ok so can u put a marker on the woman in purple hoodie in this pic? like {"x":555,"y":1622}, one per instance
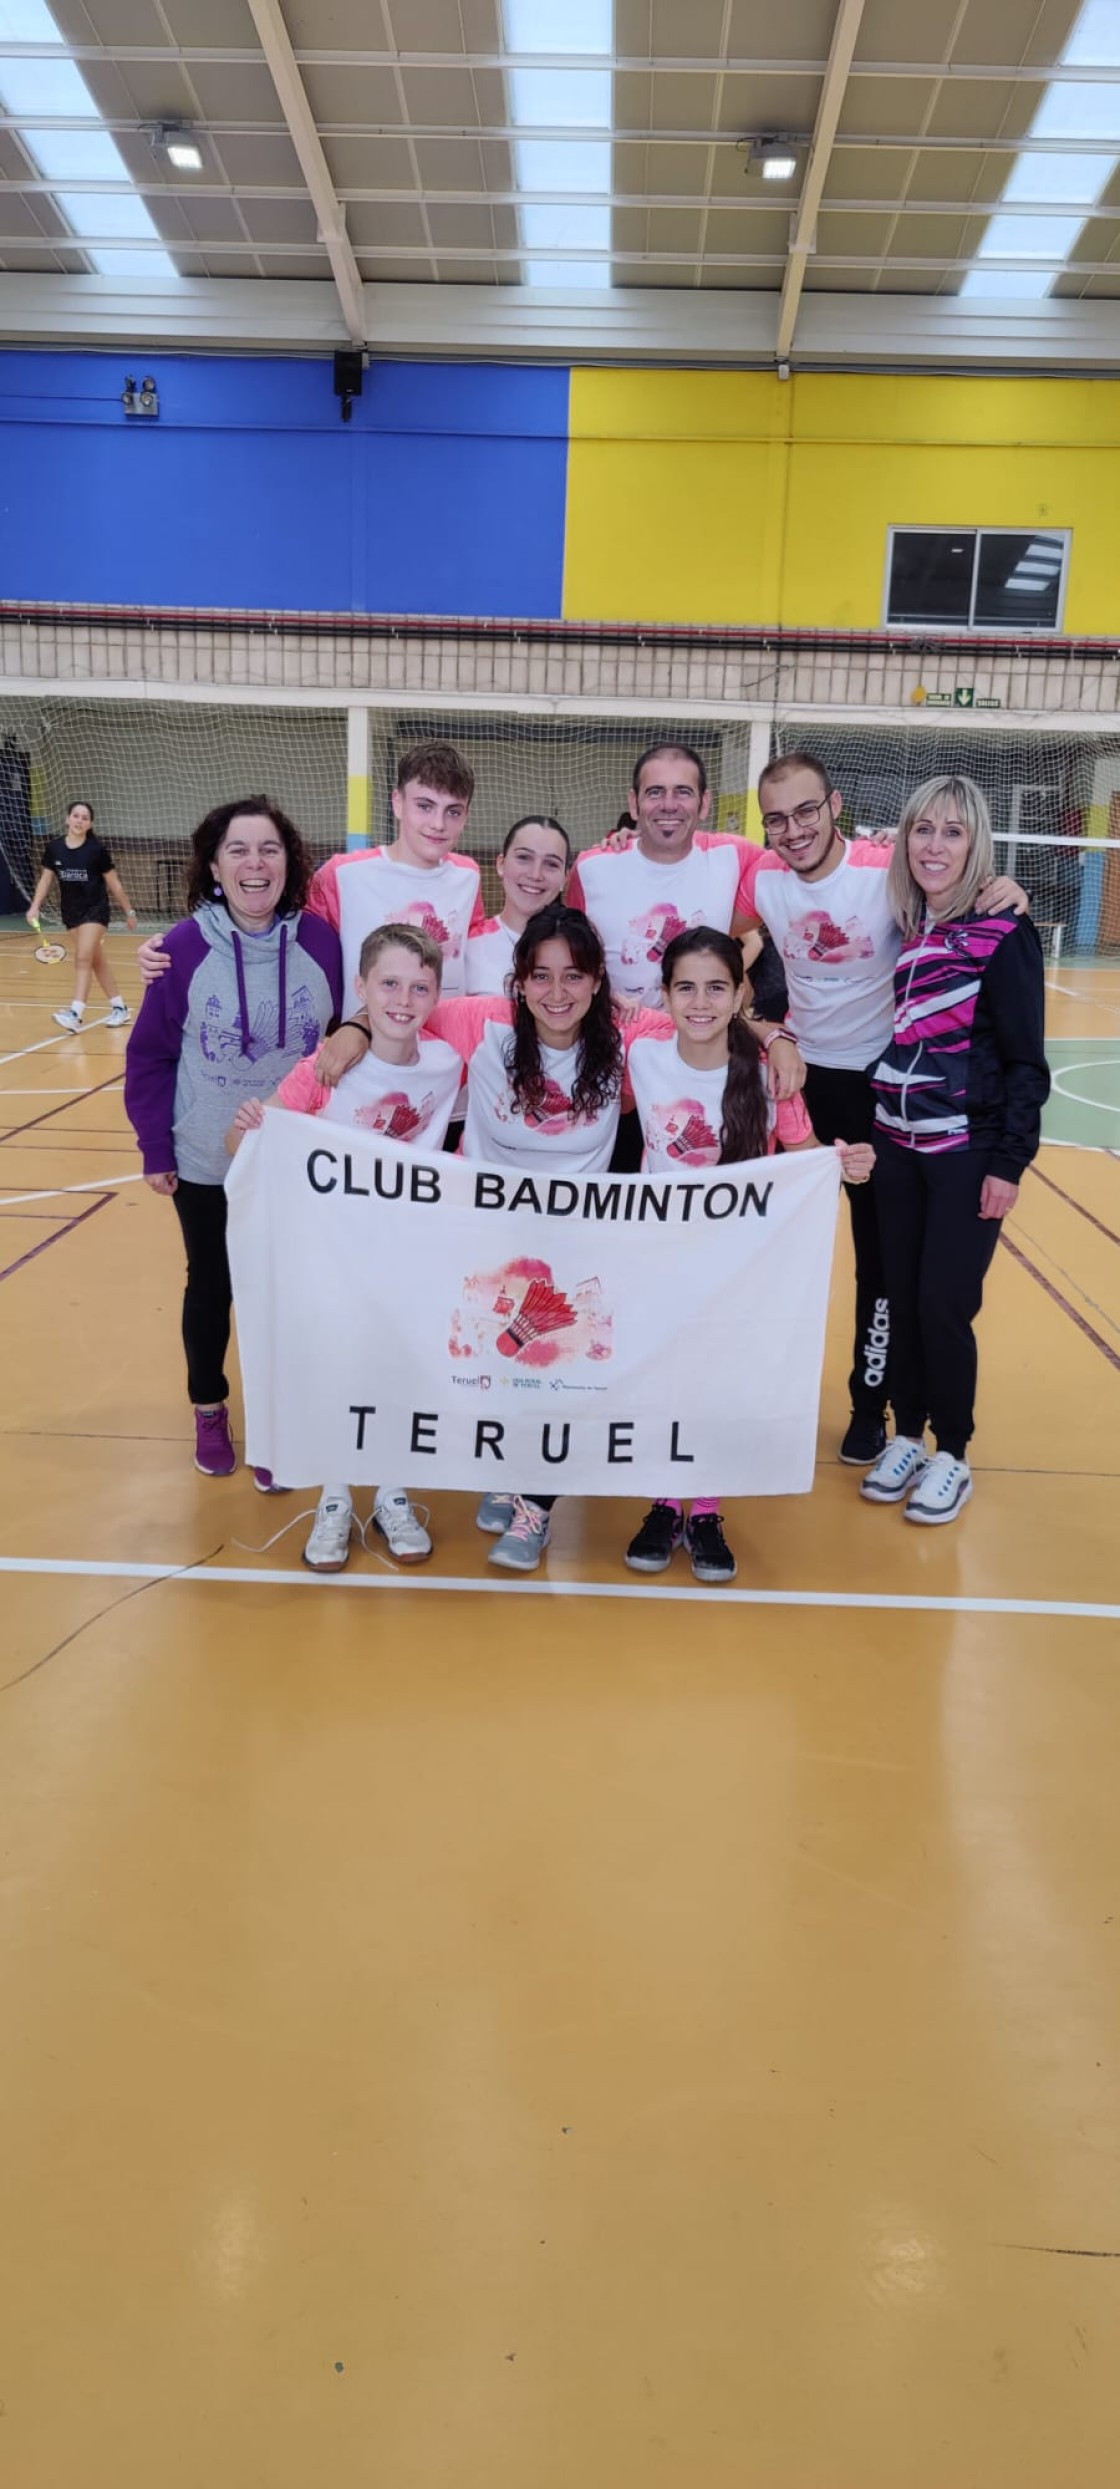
{"x":252,"y":985}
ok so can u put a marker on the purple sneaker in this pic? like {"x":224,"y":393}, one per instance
{"x":213,"y":1443}
{"x":266,"y":1484}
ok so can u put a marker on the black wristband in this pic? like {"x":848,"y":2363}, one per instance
{"x":362,"y":1029}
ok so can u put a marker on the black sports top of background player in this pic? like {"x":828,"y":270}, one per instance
{"x":80,"y":874}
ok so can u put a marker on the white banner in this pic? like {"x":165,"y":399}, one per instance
{"x":412,"y":1321}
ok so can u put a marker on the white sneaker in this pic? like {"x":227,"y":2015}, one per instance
{"x":494,"y":1515}
{"x":393,"y":1515}
{"x":329,"y":1544}
{"x":118,"y":1016}
{"x":947,"y":1485}
{"x":70,"y":1020}
{"x":524,"y":1543}
{"x":900,"y":1465}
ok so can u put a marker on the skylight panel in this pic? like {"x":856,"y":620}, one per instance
{"x":54,"y":88}
{"x":576,"y":102}
{"x":556,"y":99}
{"x":1072,"y":110}
{"x":559,"y":26}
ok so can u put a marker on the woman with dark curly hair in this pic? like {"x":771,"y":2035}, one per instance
{"x":251,"y":984}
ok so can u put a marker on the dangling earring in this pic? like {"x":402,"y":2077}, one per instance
{"x":217,"y":890}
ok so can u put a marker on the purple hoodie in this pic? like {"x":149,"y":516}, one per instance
{"x":230,"y":1017}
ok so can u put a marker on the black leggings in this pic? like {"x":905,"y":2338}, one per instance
{"x":936,"y":1249}
{"x":841,"y":1107}
{"x":201,"y":1210}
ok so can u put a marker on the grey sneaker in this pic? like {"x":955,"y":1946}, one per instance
{"x":945,"y":1485}
{"x":524,"y":1543}
{"x":398,"y":1523}
{"x":69,"y":1020}
{"x":329,"y":1544}
{"x":118,"y":1015}
{"x":897,"y":1469}
{"x":494,"y":1515}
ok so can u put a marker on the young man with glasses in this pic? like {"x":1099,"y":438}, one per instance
{"x":824,"y":901}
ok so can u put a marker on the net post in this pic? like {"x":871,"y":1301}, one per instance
{"x":357,"y":777}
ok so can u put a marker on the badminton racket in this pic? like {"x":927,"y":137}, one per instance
{"x":47,"y":952}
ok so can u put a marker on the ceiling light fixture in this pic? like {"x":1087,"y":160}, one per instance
{"x":176,"y":140}
{"x":774,"y":156}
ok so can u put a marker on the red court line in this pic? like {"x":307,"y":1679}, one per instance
{"x":66,"y":1108}
{"x":45,"y":1242}
{"x":1074,"y":1204}
{"x":1018,"y":1255}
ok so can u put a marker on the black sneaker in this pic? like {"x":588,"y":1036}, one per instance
{"x":712,"y":1560}
{"x":657,"y":1541}
{"x":864,"y":1440}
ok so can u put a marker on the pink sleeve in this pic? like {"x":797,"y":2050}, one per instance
{"x":299,"y":1090}
{"x":646,"y":1024}
{"x":791,"y":1124}
{"x":744,"y":895}
{"x":478,"y":912}
{"x":461,"y":1022}
{"x":869,"y":851}
{"x":322,"y":898}
{"x":575,"y":897}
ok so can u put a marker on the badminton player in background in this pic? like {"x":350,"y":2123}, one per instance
{"x":533,"y":866}
{"x":250,"y":983}
{"x":703,"y":1100}
{"x":87,"y":879}
{"x":405,"y":1086}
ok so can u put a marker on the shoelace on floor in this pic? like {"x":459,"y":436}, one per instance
{"x":310,"y":1513}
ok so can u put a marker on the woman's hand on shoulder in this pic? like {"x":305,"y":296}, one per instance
{"x":338,"y":1054}
{"x":166,"y":1182}
{"x":152,"y":959}
{"x":997,"y":1197}
{"x":857,"y":1159}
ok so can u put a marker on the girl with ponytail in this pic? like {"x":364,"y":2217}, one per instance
{"x":701,"y":1093}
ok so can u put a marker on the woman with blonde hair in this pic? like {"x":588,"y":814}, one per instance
{"x":959,"y":1093}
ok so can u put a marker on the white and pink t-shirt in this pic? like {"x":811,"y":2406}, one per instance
{"x":637,"y":906}
{"x":409,"y":1102}
{"x":681,"y":1110}
{"x":490,"y":957}
{"x":358,"y":892}
{"x":838,"y":942}
{"x":551,"y":1135}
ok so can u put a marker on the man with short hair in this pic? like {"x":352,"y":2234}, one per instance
{"x":674,"y":874}
{"x":418,"y":878}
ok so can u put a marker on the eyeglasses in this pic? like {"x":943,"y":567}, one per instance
{"x":805,"y":817}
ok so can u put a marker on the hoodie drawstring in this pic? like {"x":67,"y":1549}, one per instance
{"x":283,"y":996}
{"x":242,"y":996}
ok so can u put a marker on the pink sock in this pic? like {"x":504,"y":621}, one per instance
{"x":673,"y":1505}
{"x":703,"y":1504}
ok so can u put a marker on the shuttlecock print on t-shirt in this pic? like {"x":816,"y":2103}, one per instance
{"x":397,"y":1116}
{"x":519,"y":1317}
{"x":551,"y":1112}
{"x":417,"y":912}
{"x":816,"y":936}
{"x":647,"y":939}
{"x":681,"y":1131}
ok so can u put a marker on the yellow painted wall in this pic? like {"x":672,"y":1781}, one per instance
{"x":736,"y":497}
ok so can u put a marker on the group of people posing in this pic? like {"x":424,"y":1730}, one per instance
{"x":606,"y":1017}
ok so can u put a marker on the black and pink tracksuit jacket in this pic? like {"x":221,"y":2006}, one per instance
{"x":965,"y":1068}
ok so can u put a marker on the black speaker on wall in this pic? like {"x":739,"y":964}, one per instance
{"x":349,"y":368}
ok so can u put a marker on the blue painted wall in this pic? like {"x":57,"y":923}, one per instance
{"x":443,"y":495}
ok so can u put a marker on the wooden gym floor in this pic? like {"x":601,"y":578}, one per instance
{"x":512,"y":2036}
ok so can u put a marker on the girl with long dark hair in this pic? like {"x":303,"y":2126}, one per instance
{"x":87,"y":879}
{"x":700,"y":1088}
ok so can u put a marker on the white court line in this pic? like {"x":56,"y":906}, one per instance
{"x":50,"y":1567}
{"x":1091,"y":1002}
{"x":54,"y":1192}
{"x":73,"y":1089}
{"x":62,"y":1038}
{"x":1076,"y":1097}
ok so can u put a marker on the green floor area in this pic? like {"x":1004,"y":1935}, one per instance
{"x":1084,"y":1103}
